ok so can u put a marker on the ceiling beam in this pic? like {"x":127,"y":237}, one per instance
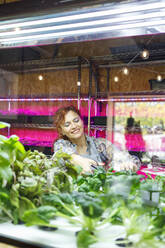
{"x":43,"y":52}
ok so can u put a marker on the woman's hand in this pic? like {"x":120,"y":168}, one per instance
{"x":87,"y":164}
{"x":126,"y":166}
{"x":124,"y":161}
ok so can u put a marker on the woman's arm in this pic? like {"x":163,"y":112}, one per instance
{"x":67,"y":147}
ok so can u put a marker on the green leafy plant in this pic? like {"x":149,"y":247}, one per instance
{"x":37,"y":190}
{"x":11,"y":150}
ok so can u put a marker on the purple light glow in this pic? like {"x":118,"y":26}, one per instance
{"x":35,"y":136}
{"x":33,"y":142}
{"x":41,"y":137}
{"x":37,"y":109}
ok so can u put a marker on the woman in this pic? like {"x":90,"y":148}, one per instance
{"x":87,"y":152}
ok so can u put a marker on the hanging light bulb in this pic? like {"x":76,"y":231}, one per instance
{"x":125,"y":71}
{"x":116,"y":79}
{"x":40,"y":77}
{"x":159,"y":78}
{"x":145,"y":54}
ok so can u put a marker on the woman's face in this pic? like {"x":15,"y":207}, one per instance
{"x":73,"y":126}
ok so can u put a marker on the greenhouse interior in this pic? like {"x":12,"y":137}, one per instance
{"x":82,"y":123}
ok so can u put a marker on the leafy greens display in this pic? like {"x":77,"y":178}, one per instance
{"x":36,"y":189}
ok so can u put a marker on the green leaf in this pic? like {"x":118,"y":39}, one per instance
{"x":66,"y":198}
{"x":24,"y":205}
{"x":51,"y":199}
{"x":73,"y":170}
{"x":39,"y":216}
{"x":14,"y":196}
{"x":7,"y":152}
{"x":80,"y":180}
{"x":20,"y":151}
{"x":30,"y":186}
{"x":84,"y":187}
{"x":15,"y":216}
{"x":63,"y":202}
{"x":4,"y":197}
{"x":5,"y":204}
{"x":13,"y":139}
{"x":63,"y":155}
{"x":85,"y":239}
{"x":6,"y":173}
{"x":13,"y":143}
{"x":95,"y":184}
{"x":3,"y":138}
{"x":91,"y":209}
{"x":4,"y":124}
{"x":63,"y":182}
{"x":18,"y":166}
{"x":4,"y":159}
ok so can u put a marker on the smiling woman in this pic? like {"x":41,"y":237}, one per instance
{"x":87,"y":152}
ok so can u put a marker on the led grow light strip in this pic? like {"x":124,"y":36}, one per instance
{"x":72,"y":17}
{"x":82,"y":99}
{"x":85,"y":24}
{"x":84,"y":31}
{"x":134,"y":99}
{"x":40,"y":99}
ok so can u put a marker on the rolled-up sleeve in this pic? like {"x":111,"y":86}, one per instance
{"x":104,"y":147}
{"x":116,"y":157}
{"x":122,"y":159}
{"x":64,"y":146}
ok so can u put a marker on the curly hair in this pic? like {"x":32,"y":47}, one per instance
{"x":60,"y":117}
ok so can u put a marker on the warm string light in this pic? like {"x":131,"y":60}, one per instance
{"x":125,"y":71}
{"x":145,"y":54}
{"x":116,"y":79}
{"x":40,"y":77}
{"x":159,"y":78}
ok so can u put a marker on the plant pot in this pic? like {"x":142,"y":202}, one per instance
{"x":47,"y":228}
{"x":122,"y":242}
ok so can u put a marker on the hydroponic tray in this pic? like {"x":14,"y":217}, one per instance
{"x":61,"y":238}
{"x":64,"y":237}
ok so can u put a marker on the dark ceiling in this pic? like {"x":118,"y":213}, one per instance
{"x":111,"y":52}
